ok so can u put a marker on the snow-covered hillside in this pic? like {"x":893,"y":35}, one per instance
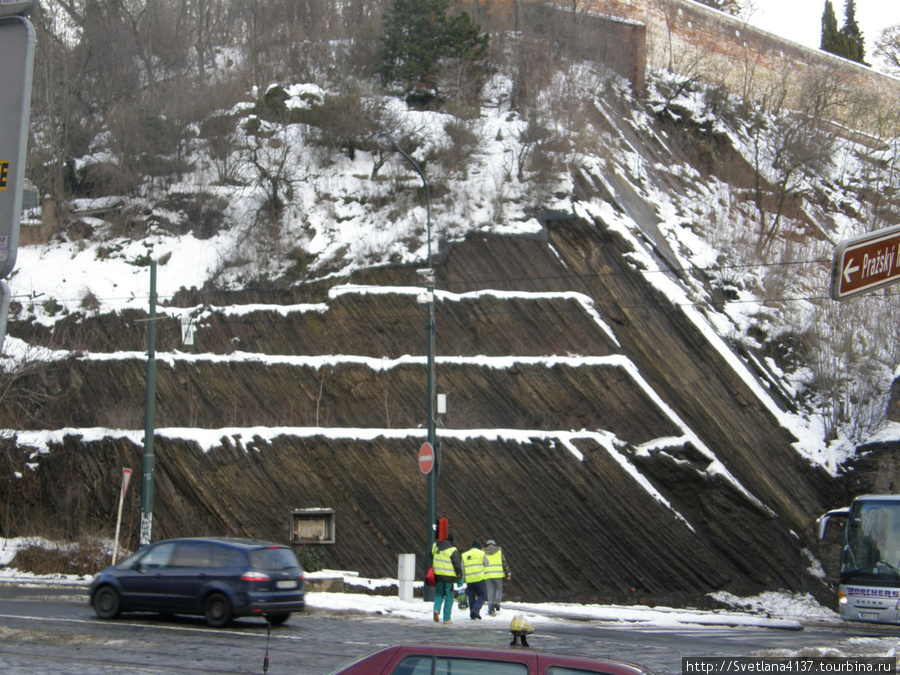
{"x":694,"y":234}
{"x":692,"y":218}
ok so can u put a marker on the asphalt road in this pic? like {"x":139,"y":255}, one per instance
{"x":52,"y":630}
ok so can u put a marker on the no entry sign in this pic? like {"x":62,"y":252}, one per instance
{"x":426,"y":458}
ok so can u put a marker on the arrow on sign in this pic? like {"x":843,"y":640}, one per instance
{"x":848,"y":270}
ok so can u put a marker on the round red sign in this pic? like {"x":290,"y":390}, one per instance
{"x":426,"y":458}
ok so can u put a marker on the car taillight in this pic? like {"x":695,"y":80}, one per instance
{"x":255,"y":576}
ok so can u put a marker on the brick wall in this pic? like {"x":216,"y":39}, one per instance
{"x":618,"y":43}
{"x":695,"y":40}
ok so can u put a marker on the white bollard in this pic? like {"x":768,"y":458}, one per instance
{"x":406,"y":575}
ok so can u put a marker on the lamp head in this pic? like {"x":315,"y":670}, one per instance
{"x":386,"y":142}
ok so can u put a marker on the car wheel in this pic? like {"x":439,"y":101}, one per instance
{"x":217,"y":610}
{"x":106,"y":603}
{"x":278,"y":618}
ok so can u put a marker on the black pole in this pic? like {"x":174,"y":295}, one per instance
{"x":148,"y":461}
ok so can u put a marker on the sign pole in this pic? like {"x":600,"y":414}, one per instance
{"x":431,"y":478}
{"x":387,"y":142}
{"x":126,"y":477}
{"x":149,"y":459}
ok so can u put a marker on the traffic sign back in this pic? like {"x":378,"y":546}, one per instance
{"x":17,"y":57}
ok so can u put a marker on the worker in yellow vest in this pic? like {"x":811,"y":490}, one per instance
{"x":448,"y":569}
{"x":474,"y":562}
{"x":495,"y":571}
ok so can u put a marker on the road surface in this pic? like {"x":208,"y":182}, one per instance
{"x":53,"y":631}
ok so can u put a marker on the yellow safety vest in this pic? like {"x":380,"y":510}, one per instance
{"x":473,"y":565}
{"x":494,"y":567}
{"x":441,"y":562}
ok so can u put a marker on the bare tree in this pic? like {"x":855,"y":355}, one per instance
{"x":791,"y":146}
{"x":669,"y":11}
{"x":887,"y":48}
{"x":270,"y":160}
{"x":850,"y":377}
{"x":876,"y":150}
{"x":19,"y":395}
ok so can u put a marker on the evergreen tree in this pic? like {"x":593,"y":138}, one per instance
{"x":412,"y":43}
{"x":848,"y":41}
{"x":463,"y":40}
{"x":852,"y":37}
{"x":831,"y":37}
{"x":418,"y":36}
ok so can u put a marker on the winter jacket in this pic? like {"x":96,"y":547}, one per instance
{"x":496,"y":564}
{"x":446,"y":561}
{"x":474,"y":561}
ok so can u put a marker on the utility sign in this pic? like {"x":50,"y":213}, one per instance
{"x":187,"y":329}
{"x":866,"y":263}
{"x":17,"y":59}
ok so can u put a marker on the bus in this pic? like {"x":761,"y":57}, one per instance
{"x":869,"y":588}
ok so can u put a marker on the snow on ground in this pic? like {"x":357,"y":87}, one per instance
{"x":768,"y":610}
{"x":794,"y":611}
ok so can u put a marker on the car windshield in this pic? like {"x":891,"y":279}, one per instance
{"x":361,"y":658}
{"x":155,"y":556}
{"x":445,"y":665}
{"x":126,"y":563}
{"x":273,"y":559}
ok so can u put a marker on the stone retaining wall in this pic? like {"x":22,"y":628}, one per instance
{"x":696,"y":41}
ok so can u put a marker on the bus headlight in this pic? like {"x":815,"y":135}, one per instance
{"x":842,"y":598}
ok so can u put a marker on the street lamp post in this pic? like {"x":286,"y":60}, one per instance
{"x":387,"y":142}
{"x":148,"y":460}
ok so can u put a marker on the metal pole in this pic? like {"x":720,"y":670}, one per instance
{"x":431,"y":478}
{"x":147,"y":464}
{"x":5,"y":295}
{"x":388,"y":143}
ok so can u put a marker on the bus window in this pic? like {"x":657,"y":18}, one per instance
{"x":872,"y":541}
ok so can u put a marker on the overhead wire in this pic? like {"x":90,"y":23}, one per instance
{"x":449,"y":284}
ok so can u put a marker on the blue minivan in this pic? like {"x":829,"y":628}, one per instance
{"x":218,"y":578}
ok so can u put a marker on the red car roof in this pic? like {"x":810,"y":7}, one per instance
{"x":378,"y":662}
